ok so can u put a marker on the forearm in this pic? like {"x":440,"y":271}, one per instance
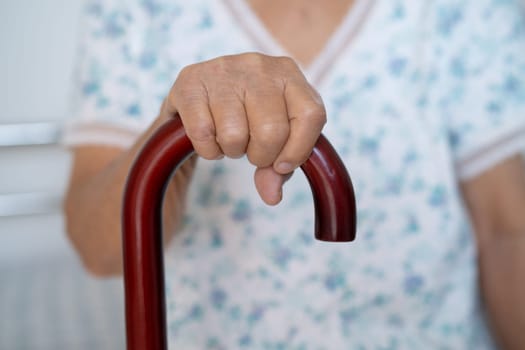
{"x":502,"y":269}
{"x":93,"y":209}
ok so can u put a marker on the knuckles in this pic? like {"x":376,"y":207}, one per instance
{"x":201,"y":133}
{"x":251,"y":65}
{"x":270,"y":133}
{"x":315,"y":114}
{"x":266,"y":141}
{"x":187,"y":74}
{"x":241,"y":74}
{"x":233,"y":141}
{"x":246,"y":69}
{"x":287,"y":63}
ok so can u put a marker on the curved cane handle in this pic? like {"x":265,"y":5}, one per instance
{"x":335,"y":221}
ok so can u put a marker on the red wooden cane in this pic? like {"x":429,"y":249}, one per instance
{"x":335,"y":221}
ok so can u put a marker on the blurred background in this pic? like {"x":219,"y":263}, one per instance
{"x":46,"y":300}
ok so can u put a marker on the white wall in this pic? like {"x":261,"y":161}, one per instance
{"x":38,"y":46}
{"x":36,"y":63}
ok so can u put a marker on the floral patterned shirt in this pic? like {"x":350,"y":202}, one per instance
{"x":420,"y":95}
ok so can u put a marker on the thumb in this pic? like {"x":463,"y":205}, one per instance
{"x":269,"y":184}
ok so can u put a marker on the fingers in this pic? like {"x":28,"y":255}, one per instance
{"x":189,"y":97}
{"x":307,"y":117}
{"x":268,"y":121}
{"x":212,"y":112}
{"x":249,"y":104}
{"x":269,"y":184}
{"x":231,"y":124}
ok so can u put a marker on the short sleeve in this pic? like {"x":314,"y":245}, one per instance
{"x":113,"y":100}
{"x":484,"y":101}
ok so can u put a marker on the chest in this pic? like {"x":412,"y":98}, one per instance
{"x":303,"y":28}
{"x":382,"y":109}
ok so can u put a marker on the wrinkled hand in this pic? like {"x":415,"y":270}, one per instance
{"x":251,"y":104}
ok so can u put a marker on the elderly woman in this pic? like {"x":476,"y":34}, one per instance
{"x":424,"y":101}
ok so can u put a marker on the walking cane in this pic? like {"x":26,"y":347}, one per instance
{"x":335,"y":221}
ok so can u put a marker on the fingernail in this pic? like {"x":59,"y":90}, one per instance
{"x":284,"y":168}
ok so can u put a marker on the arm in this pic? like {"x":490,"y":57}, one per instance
{"x":496,"y":201}
{"x":249,"y":104}
{"x":93,"y":202}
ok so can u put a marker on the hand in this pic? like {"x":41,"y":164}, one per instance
{"x":251,"y":104}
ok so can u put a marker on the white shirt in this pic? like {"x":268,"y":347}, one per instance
{"x":420,"y":95}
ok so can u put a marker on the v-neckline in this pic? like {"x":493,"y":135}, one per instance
{"x":320,"y":65}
